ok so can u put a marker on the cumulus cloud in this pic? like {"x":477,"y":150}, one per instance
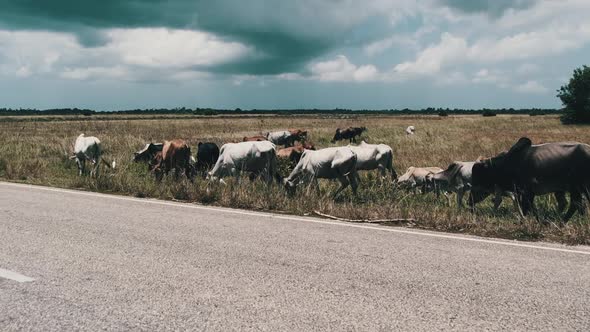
{"x":287,"y":34}
{"x":341,"y":69}
{"x":159,"y":47}
{"x":432,"y":59}
{"x":130,"y":54}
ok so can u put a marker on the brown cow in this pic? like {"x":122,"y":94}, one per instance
{"x":176,"y":155}
{"x":254,"y":139}
{"x":294,"y":153}
{"x":349,"y":133}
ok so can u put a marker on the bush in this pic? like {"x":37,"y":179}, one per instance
{"x":575,"y":97}
{"x":443,"y":113}
{"x":488,"y":113}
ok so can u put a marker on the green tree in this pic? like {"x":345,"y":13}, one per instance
{"x":575,"y":97}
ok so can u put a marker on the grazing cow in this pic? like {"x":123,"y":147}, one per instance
{"x":254,"y":157}
{"x":411,"y":130}
{"x":415,"y":177}
{"x":530,"y":170}
{"x":88,"y":148}
{"x":254,"y":139}
{"x":286,"y":137}
{"x":207,"y":155}
{"x":175,"y":155}
{"x":374,"y":156}
{"x":329,"y":163}
{"x":151,"y":154}
{"x":349,"y":133}
{"x":293,"y":153}
{"x":457,"y":178}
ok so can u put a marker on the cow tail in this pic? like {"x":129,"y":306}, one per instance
{"x":390,"y":167}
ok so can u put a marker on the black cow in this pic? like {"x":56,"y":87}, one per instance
{"x":207,"y":154}
{"x":530,"y":170}
{"x":151,"y":154}
{"x":349,"y":133}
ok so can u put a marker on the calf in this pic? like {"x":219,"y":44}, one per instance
{"x":349,"y":133}
{"x":329,"y":163}
{"x":294,"y":153}
{"x":416,"y":177}
{"x":88,"y":148}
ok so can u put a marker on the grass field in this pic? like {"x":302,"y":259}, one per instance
{"x":37,"y":152}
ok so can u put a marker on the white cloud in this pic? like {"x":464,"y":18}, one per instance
{"x":432,"y":59}
{"x":129,"y":54}
{"x":531,"y":87}
{"x":341,"y":69}
{"x":166,"y":48}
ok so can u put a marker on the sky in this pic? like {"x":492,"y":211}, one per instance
{"x":284,"y":54}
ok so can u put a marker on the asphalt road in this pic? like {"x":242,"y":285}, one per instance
{"x":117,"y":263}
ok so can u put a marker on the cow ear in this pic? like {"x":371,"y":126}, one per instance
{"x":522,"y":144}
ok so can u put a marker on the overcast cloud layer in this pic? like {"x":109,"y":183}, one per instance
{"x":288,"y":54}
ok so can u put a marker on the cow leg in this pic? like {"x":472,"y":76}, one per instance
{"x":95,"y":168}
{"x":460,"y":193}
{"x":80,"y":164}
{"x":497,"y":199}
{"x":575,"y":204}
{"x":343,"y":184}
{"x":525,"y":201}
{"x":561,"y":201}
{"x":354,"y":182}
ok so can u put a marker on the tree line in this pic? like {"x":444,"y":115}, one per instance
{"x":238,"y":111}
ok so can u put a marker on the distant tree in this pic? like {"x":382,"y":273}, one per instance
{"x":575,"y":97}
{"x":487,"y":112}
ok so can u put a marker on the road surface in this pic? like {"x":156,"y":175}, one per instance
{"x":117,"y":263}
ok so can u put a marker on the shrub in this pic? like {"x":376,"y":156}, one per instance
{"x":575,"y":97}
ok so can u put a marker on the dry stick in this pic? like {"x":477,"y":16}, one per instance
{"x":372,"y":221}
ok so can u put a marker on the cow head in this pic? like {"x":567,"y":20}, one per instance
{"x":499,"y":172}
{"x":148,"y":153}
{"x":290,"y":186}
{"x":337,"y":136}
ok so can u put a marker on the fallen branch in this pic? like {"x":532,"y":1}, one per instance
{"x":372,"y":221}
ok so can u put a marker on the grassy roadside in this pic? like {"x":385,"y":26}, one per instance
{"x":37,"y":153}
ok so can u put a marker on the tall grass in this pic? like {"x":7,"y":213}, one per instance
{"x":37,"y":153}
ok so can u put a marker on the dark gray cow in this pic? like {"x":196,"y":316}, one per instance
{"x":531,"y":170}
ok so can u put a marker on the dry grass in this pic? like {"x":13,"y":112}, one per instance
{"x":37,"y":152}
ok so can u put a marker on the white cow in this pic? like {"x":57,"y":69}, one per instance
{"x":415,"y":177}
{"x":458,"y":178}
{"x":411,"y":130}
{"x":88,"y":148}
{"x":329,"y":163}
{"x":374,"y":156}
{"x":255,"y":157}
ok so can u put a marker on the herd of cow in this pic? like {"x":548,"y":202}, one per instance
{"x":522,"y":172}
